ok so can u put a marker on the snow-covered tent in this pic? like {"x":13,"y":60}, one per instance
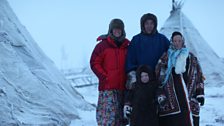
{"x":212,"y":64}
{"x":32,"y":90}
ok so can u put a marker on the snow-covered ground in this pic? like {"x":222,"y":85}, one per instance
{"x":212,"y":113}
{"x":88,"y":118}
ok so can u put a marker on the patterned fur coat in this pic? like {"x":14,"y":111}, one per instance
{"x":192,"y":78}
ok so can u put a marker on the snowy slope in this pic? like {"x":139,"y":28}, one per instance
{"x":32,"y":90}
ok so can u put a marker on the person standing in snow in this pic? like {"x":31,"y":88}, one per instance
{"x":145,"y":48}
{"x":182,"y":85}
{"x":142,"y":99}
{"x":108,"y":63}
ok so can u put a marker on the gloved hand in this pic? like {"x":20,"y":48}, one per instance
{"x":131,"y":80}
{"x":127,"y":111}
{"x":161,"y":99}
{"x":201,"y":100}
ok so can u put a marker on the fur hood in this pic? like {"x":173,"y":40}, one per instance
{"x":148,"y":16}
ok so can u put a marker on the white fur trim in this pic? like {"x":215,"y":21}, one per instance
{"x":188,"y":101}
{"x":200,"y":96}
{"x":180,"y":66}
{"x":173,"y":113}
{"x":195,"y":115}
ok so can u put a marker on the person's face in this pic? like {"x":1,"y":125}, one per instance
{"x":149,"y":26}
{"x":178,"y":42}
{"x":117,"y":32}
{"x":144,"y":77}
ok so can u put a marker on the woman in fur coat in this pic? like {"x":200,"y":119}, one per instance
{"x":182,"y":85}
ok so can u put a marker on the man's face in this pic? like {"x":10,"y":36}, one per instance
{"x":149,"y":26}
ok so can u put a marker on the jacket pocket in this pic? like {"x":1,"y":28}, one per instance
{"x":112,"y":80}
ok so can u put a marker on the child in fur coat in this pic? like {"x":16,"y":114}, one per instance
{"x":140,"y":105}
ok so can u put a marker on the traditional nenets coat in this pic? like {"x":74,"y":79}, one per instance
{"x":182,"y":87}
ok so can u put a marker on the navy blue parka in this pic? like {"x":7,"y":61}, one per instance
{"x":146,"y":48}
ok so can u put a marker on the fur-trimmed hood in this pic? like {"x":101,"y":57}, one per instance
{"x":146,"y":69}
{"x":146,"y":17}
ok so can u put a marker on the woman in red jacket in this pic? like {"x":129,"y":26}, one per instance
{"x":108,"y":62}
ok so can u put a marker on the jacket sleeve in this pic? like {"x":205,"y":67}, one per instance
{"x":131,"y":59}
{"x":161,"y":96}
{"x":167,"y":43}
{"x":200,"y":82}
{"x":96,"y":62}
{"x":161,"y":67}
{"x":128,"y":96}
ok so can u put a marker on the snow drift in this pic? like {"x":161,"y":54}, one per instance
{"x":32,"y":90}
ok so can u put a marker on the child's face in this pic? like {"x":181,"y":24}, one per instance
{"x":144,"y":77}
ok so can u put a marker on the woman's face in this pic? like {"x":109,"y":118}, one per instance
{"x":117,"y":32}
{"x":144,"y":77}
{"x":149,"y":26}
{"x":178,"y":41}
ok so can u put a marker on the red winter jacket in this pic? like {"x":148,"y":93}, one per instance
{"x":108,"y":63}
